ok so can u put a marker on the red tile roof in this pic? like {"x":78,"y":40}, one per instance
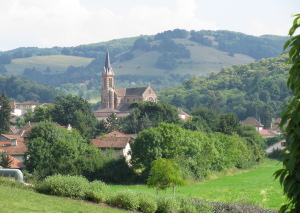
{"x":19,"y":149}
{"x":16,"y":164}
{"x":111,"y":142}
{"x":266,"y":132}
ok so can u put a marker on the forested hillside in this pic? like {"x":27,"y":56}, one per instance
{"x":162,"y":60}
{"x":20,"y":89}
{"x":257,"y":89}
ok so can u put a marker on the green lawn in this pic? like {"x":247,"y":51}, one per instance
{"x":56,"y":63}
{"x":254,"y":187}
{"x":14,"y":200}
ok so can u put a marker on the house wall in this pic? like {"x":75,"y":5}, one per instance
{"x":275,"y":146}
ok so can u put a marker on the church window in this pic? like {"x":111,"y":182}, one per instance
{"x":121,"y":99}
{"x":110,"y":82}
{"x":149,"y":91}
{"x":105,"y":84}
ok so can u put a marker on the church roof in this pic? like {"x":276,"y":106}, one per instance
{"x":138,"y":91}
{"x":107,"y":61}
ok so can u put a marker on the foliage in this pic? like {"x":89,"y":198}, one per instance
{"x":5,"y":110}
{"x":55,"y":150}
{"x":254,"y":90}
{"x":42,"y":113}
{"x":5,"y":160}
{"x":21,"y":90}
{"x":77,"y":112}
{"x":167,"y":204}
{"x":228,"y":123}
{"x":126,"y":200}
{"x":289,"y":176}
{"x":163,"y":174}
{"x":147,"y":204}
{"x":197,"y":153}
{"x":65,"y":186}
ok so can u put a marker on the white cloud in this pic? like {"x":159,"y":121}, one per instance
{"x":67,"y":23}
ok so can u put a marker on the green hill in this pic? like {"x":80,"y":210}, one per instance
{"x":56,"y":63}
{"x":257,"y":89}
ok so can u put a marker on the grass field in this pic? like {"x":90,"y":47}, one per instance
{"x":203,"y":60}
{"x":254,"y":187}
{"x":56,"y":63}
{"x":14,"y":200}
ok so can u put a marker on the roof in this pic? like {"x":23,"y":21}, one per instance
{"x":28,"y":103}
{"x":26,"y":128}
{"x":252,"y":121}
{"x":116,"y":134}
{"x":15,"y":163}
{"x":137,"y":91}
{"x":183,"y":115}
{"x":19,"y":149}
{"x":266,"y":132}
{"x":111,"y":142}
{"x":17,"y":137}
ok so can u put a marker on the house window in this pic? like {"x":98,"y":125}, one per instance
{"x":283,"y":144}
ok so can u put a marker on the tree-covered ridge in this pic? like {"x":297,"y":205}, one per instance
{"x":257,"y":89}
{"x":20,"y":89}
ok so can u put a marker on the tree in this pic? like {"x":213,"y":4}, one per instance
{"x":77,"y":112}
{"x":228,"y":123}
{"x":4,"y":114}
{"x":289,"y":176}
{"x":55,"y":150}
{"x":163,"y":174}
{"x":5,"y":160}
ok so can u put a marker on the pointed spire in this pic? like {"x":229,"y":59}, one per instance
{"x":107,"y":60}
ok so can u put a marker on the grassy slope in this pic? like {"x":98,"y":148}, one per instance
{"x":253,"y":187}
{"x":203,"y":60}
{"x":20,"y":200}
{"x":57,"y":63}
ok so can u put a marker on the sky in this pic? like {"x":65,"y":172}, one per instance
{"x":48,"y":23}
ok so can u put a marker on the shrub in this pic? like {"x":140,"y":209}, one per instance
{"x":187,"y":206}
{"x":147,"y":203}
{"x":7,"y":181}
{"x":125,"y":199}
{"x":97,"y":192}
{"x":167,"y":204}
{"x":67,"y":186}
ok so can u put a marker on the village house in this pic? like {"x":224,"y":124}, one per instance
{"x":280,"y":145}
{"x":20,"y":109}
{"x":253,"y":122}
{"x":117,"y":142}
{"x":13,"y":145}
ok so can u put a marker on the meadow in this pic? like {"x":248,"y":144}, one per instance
{"x":56,"y":63}
{"x":14,"y":199}
{"x":252,"y":187}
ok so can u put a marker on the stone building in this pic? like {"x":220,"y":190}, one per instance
{"x":118,"y":100}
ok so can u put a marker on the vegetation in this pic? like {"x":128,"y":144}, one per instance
{"x":254,"y":187}
{"x":163,"y":174}
{"x":197,"y":153}
{"x":19,"y":89}
{"x":5,"y":160}
{"x":17,"y":197}
{"x":289,"y":176}
{"x":254,"y":90}
{"x":4,"y":114}
{"x":55,"y":150}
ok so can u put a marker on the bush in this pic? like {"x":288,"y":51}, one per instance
{"x":66,"y":186}
{"x":147,"y":203}
{"x":97,"y":192}
{"x":126,"y":200}
{"x":187,"y":206}
{"x":167,"y":204}
{"x":8,"y":181}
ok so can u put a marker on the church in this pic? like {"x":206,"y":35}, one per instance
{"x":118,"y":100}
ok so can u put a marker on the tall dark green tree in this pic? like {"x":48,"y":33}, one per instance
{"x":228,"y":123}
{"x":77,"y":112}
{"x":4,"y":114}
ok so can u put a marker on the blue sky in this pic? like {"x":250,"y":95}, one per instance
{"x":48,"y":23}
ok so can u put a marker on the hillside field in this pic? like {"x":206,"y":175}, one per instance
{"x":21,"y":200}
{"x":254,"y":187}
{"x":203,"y":60}
{"x":56,"y":63}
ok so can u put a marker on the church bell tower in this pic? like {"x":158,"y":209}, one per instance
{"x":108,"y":85}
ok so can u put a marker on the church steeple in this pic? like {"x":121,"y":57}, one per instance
{"x":107,"y":67}
{"x":108,"y":85}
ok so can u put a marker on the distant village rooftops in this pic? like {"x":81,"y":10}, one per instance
{"x":252,"y":121}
